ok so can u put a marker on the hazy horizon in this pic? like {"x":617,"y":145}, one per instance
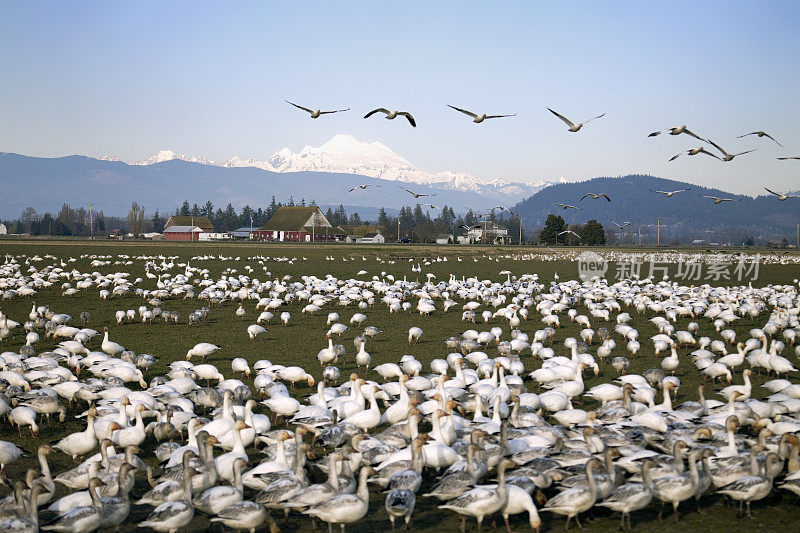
{"x":209,"y":80}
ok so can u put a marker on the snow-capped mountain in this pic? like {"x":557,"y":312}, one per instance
{"x":347,"y":155}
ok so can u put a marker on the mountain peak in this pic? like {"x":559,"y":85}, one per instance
{"x":345,"y":154}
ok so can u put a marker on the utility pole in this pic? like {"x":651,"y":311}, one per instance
{"x":398,"y":229}
{"x":798,"y":235}
{"x":91,"y":222}
{"x":658,"y":242}
{"x":520,"y":230}
{"x":640,"y":235}
{"x":250,"y":231}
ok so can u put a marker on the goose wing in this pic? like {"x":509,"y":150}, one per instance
{"x":584,"y":196}
{"x":674,"y":157}
{"x":659,"y":132}
{"x":409,"y":117}
{"x":687,"y":132}
{"x":469,"y":498}
{"x":704,"y":151}
{"x":773,"y":192}
{"x":379,"y":110}
{"x":593,"y":118}
{"x":790,"y":157}
{"x":307,"y":110}
{"x":501,"y":116}
{"x":567,"y":121}
{"x":470,"y":113}
{"x":715,"y":145}
{"x":167,"y":510}
{"x":604,"y":195}
{"x":333,"y":111}
{"x":747,"y":152}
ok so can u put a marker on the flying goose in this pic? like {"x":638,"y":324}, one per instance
{"x":391,"y":115}
{"x":362,"y":187}
{"x":694,"y":151}
{"x":477,"y":119}
{"x":718,"y":200}
{"x":670,"y":194}
{"x":415,"y":194}
{"x":725,"y":155}
{"x":782,"y":197}
{"x":596,"y":196}
{"x":430,"y":205}
{"x":789,"y":157}
{"x":761,"y":134}
{"x":572,"y":126}
{"x":621,"y":226}
{"x":317,"y":113}
{"x":677,"y":131}
{"x":566,"y":206}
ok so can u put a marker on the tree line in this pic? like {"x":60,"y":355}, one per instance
{"x":413,"y":223}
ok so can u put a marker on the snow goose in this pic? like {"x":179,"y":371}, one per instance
{"x":675,"y":489}
{"x":215,"y":499}
{"x":224,"y":463}
{"x":314,"y":114}
{"x":170,"y":516}
{"x":202,"y":350}
{"x":753,"y":487}
{"x":109,"y":347}
{"x":572,"y":127}
{"x":391,"y":115}
{"x":345,"y":508}
{"x":81,"y":519}
{"x":631,"y":496}
{"x":82,"y":442}
{"x":243,"y":515}
{"x":482,"y":500}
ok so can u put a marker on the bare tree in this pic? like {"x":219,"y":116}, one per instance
{"x":28,"y":217}
{"x":136,"y":219}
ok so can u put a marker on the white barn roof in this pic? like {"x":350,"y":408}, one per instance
{"x":182,"y":229}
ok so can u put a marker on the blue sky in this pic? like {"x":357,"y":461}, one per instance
{"x":209,"y":78}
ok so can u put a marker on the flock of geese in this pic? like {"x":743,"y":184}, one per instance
{"x":497,"y":421}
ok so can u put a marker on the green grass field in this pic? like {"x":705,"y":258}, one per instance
{"x":299,"y":342}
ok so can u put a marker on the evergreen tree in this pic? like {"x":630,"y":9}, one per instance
{"x":355,"y":219}
{"x":552,"y":227}
{"x":291,"y":201}
{"x":272,"y":208}
{"x":419,"y":216}
{"x":383,"y":218}
{"x":593,"y":233}
{"x":195,"y":212}
{"x":341,"y":216}
{"x":158,"y":222}
{"x":185,"y":209}
{"x":207,"y":210}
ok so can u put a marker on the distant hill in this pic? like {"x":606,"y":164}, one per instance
{"x":684,"y":214}
{"x":46,"y":183}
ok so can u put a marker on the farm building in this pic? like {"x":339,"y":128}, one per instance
{"x":299,"y":224}
{"x":201,"y":222}
{"x":373,"y":238}
{"x":495,"y":234}
{"x":444,"y":238}
{"x":3,"y":229}
{"x":243,"y":232}
{"x":182,"y":233}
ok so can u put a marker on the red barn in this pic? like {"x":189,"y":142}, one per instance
{"x":182,"y":233}
{"x":299,"y":224}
